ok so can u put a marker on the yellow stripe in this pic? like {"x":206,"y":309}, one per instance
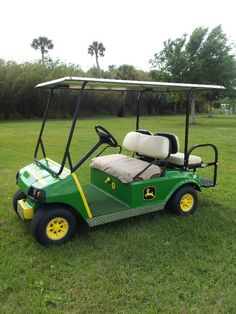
{"x":40,"y":179}
{"x":82,"y":195}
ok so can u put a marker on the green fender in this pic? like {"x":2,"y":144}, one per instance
{"x":192,"y":182}
{"x":69,"y":192}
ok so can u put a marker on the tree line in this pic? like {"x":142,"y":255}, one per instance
{"x":205,"y":56}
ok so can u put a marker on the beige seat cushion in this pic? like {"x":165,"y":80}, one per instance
{"x":125,"y":168}
{"x":150,"y":145}
{"x":178,"y":159}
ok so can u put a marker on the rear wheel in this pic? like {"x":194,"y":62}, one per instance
{"x":184,"y":201}
{"x":19,"y":195}
{"x":54,"y":225}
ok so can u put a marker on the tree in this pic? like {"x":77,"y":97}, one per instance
{"x":203,"y":57}
{"x":97,"y":49}
{"x":44,"y":44}
{"x":159,"y":76}
{"x":94,"y":72}
{"x":126,"y":72}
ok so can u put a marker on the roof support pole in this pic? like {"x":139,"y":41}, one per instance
{"x":42,"y":126}
{"x":190,"y":96}
{"x":138,"y":108}
{"x":67,"y":152}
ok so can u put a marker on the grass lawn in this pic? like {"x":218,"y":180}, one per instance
{"x":158,"y":263}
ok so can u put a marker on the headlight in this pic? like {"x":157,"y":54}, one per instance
{"x":37,"y":194}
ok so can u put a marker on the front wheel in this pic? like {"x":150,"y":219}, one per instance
{"x":184,"y":201}
{"x":54,"y":226}
{"x":18,"y":196}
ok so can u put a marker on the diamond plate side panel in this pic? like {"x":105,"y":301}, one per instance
{"x":131,"y":212}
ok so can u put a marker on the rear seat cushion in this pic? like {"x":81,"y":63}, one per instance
{"x":178,"y":159}
{"x":125,"y":168}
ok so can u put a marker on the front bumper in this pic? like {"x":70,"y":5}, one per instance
{"x":25,"y":210}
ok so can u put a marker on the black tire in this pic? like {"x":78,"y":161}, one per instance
{"x":184,"y":201}
{"x":55,"y":225}
{"x":19,"y":195}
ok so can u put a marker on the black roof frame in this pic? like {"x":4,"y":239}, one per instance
{"x":190,"y":91}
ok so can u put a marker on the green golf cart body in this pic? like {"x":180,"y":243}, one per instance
{"x":157,"y":176}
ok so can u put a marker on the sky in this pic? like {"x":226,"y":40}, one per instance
{"x":132,"y":31}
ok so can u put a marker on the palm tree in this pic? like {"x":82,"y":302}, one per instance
{"x":97,"y":49}
{"x":42,"y":43}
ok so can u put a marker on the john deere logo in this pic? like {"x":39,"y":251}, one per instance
{"x":149,"y":193}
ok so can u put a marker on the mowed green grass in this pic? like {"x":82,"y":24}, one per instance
{"x":158,"y":263}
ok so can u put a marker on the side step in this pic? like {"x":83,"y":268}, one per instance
{"x":207,"y":183}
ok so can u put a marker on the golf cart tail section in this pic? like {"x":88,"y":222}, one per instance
{"x":194,"y":162}
{"x":157,"y":176}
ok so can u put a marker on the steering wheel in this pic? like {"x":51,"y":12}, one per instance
{"x":105,"y":136}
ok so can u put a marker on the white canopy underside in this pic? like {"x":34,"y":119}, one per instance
{"x":112,"y":84}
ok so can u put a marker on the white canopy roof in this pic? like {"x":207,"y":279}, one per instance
{"x":112,"y":84}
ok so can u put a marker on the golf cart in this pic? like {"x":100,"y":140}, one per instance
{"x":157,"y":176}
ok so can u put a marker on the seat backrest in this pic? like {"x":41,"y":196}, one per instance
{"x":154,"y":146}
{"x":173,"y":139}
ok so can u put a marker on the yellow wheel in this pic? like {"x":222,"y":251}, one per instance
{"x":54,"y":225}
{"x":57,"y":228}
{"x":184,"y":201}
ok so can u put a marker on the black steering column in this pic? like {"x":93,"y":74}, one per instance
{"x":105,"y":137}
